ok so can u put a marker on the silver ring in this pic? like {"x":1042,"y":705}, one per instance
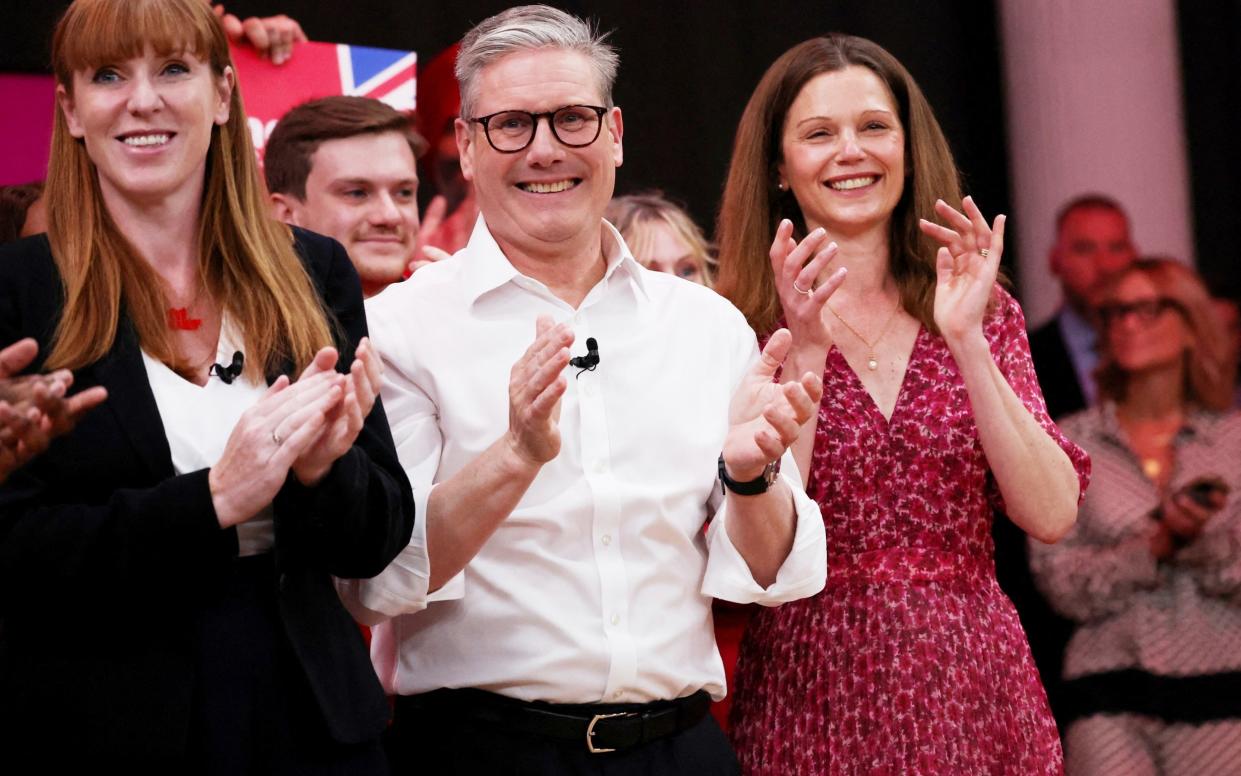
{"x":801,"y":290}
{"x":275,"y":437}
{"x":984,"y":252}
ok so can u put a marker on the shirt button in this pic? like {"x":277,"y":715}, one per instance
{"x":616,"y":695}
{"x":616,"y":619}
{"x":601,"y":467}
{"x":607,"y":539}
{"x":588,"y":391}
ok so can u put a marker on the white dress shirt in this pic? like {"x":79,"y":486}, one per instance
{"x":598,"y":586}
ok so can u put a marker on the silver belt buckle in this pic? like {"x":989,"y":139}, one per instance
{"x":590,"y":730}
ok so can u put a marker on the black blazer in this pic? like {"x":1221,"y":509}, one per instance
{"x":106,"y":555}
{"x":1056,"y":376}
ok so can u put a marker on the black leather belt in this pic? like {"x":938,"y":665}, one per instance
{"x":601,"y":728}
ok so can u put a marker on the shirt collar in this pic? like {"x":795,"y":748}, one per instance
{"x":487,"y":268}
{"x":1078,"y":333}
{"x":1198,"y":423}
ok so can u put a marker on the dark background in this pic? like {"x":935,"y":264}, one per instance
{"x":687,"y":70}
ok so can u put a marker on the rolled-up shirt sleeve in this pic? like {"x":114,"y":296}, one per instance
{"x":804,"y":571}
{"x":402,"y":587}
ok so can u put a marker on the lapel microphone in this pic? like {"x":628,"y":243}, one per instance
{"x":588,"y":362}
{"x":231,"y":372}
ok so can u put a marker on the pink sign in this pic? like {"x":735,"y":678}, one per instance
{"x":25,"y":126}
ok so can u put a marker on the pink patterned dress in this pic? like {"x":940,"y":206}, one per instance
{"x":911,"y":661}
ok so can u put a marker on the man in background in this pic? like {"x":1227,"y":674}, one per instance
{"x":346,"y":167}
{"x":1092,"y":245}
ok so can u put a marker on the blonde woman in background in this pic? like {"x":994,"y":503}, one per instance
{"x":1152,"y":570}
{"x":662,"y":236}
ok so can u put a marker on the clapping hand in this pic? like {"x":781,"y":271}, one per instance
{"x":796,"y":268}
{"x":966,"y":266}
{"x":536,"y":384}
{"x":764,"y":416}
{"x":344,"y":421}
{"x":269,"y":437}
{"x":35,"y":409}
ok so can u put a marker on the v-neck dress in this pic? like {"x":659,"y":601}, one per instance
{"x":911,"y":660}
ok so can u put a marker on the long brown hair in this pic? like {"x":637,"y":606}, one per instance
{"x":752,"y":206}
{"x":247,"y":260}
{"x":1210,"y":365}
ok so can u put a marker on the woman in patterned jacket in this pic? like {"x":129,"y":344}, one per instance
{"x":1152,"y":570}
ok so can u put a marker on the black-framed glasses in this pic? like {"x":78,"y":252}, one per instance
{"x":1145,"y":310}
{"x":510,"y":131}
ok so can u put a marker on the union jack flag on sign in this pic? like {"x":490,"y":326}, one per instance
{"x":321,"y":70}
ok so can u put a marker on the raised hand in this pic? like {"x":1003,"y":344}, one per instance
{"x":536,"y":384}
{"x":344,"y":422}
{"x":272,"y":36}
{"x":285,"y":423}
{"x":965,"y":265}
{"x":796,"y":268}
{"x":431,"y":219}
{"x":764,"y":416}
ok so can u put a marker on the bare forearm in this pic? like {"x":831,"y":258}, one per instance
{"x":762,"y":529}
{"x":464,"y":511}
{"x":1035,"y":476}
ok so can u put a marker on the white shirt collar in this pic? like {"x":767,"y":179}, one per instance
{"x":490,"y":269}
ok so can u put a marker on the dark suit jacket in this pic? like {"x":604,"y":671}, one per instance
{"x":1056,"y":376}
{"x":107,"y":556}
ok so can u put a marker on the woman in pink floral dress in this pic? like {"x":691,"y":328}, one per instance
{"x":911,"y":661}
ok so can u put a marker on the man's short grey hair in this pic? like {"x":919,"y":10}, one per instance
{"x":529,"y":27}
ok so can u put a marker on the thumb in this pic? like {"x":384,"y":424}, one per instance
{"x":324,"y":361}
{"x":17,"y":356}
{"x":943,"y":265}
{"x":774,"y":353}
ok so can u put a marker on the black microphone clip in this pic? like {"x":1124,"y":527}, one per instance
{"x":588,"y":362}
{"x":231,"y":372}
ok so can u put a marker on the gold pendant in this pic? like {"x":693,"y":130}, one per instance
{"x":1151,"y":468}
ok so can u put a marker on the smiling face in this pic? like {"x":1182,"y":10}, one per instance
{"x":843,"y":152}
{"x":362,"y":190}
{"x":1147,"y":334}
{"x":146,"y":122}
{"x":547,"y":195}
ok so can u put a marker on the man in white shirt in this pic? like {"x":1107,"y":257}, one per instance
{"x":569,"y":626}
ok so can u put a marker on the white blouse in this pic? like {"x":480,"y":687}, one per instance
{"x":199,"y":419}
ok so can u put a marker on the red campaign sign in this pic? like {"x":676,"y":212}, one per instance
{"x":316,"y":70}
{"x":321,"y":70}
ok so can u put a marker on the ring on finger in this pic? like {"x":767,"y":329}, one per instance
{"x":801,"y":290}
{"x":275,"y":437}
{"x":984,"y":252}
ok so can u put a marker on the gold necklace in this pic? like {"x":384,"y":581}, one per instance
{"x":872,"y":361}
{"x":1156,"y":447}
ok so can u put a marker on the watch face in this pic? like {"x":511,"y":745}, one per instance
{"x":771,"y":471}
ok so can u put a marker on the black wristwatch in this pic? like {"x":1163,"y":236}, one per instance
{"x":753,"y":487}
